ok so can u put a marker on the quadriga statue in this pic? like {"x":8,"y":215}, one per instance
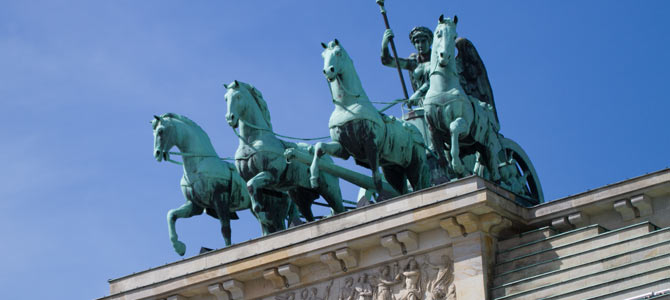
{"x":209,"y":184}
{"x":462,"y":118}
{"x":358,"y":129}
{"x":260,"y":156}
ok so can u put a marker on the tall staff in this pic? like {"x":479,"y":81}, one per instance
{"x":395,"y":53}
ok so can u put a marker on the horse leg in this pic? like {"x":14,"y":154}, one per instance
{"x":331,"y":148}
{"x":330,"y":191}
{"x":418,"y":172}
{"x":303,"y":202}
{"x":293,"y":214}
{"x":224,"y":218}
{"x":442,"y":160}
{"x":457,"y":127}
{"x":254,"y":184}
{"x":187,"y":210}
{"x":372,"y":155}
{"x":396,"y":178}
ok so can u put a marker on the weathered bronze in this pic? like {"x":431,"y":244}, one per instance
{"x":358,"y":129}
{"x":417,"y":63}
{"x":461,"y":116}
{"x":260,"y":156}
{"x":209,"y":184}
{"x":454,"y":132}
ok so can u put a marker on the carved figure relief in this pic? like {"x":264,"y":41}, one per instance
{"x":442,"y":287}
{"x":363,"y":288}
{"x":386,"y":281}
{"x":289,"y":296}
{"x":426,"y":277}
{"x":347,"y":292}
{"x":411,"y":275}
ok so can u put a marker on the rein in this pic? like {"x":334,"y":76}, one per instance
{"x":189,"y":154}
{"x":338,"y":77}
{"x":251,"y":146}
{"x":281,"y":135}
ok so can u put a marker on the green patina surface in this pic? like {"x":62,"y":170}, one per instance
{"x":452,"y":132}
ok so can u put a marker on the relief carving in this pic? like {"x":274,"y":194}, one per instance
{"x":411,"y":276}
{"x":386,"y":281}
{"x":348,"y":292}
{"x":442,"y":287}
{"x":363,"y":288}
{"x":427,"y":277}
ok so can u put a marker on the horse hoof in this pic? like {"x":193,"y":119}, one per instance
{"x":179,"y":247}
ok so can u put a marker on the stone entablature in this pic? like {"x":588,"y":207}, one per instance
{"x":440,"y":242}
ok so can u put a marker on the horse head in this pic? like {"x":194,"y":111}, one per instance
{"x":164,"y":138}
{"x":334,"y":59}
{"x":238,"y":99}
{"x":339,"y":70}
{"x":444,"y":43}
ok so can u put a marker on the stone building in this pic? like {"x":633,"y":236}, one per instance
{"x":467,"y":239}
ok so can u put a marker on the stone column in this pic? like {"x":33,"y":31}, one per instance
{"x":474,"y":251}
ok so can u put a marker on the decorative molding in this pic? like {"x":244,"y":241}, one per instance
{"x":218,"y":291}
{"x":625,"y":209}
{"x":469,"y":221}
{"x":490,"y":220}
{"x":409,"y":240}
{"x":578,"y":219}
{"x":391,"y":243}
{"x":496,"y":229}
{"x":273,"y":276}
{"x":349,"y":258}
{"x":452,"y":227}
{"x":291,"y":273}
{"x":643,"y":204}
{"x":236,"y":288}
{"x":334,"y":264}
{"x":561,"y":223}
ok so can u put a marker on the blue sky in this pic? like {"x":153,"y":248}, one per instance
{"x":581,"y":85}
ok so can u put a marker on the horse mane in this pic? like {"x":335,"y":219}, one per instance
{"x":183,"y":119}
{"x":260,"y":102}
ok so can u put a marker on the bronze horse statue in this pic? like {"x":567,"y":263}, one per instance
{"x":209,"y":184}
{"x":260,"y":155}
{"x":358,"y":129}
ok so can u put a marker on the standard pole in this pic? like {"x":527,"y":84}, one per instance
{"x":395,"y":53}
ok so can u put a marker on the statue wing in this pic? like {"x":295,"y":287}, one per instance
{"x":473,"y":76}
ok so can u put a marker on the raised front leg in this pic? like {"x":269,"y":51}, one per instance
{"x":333,"y":149}
{"x":457,"y":127}
{"x":187,"y":210}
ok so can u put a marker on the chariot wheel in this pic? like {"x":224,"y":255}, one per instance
{"x":525,"y":168}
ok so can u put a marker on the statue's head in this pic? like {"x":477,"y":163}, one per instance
{"x":163,"y":137}
{"x":444,"y":47}
{"x":412,"y":264}
{"x":333,"y":56}
{"x":244,"y":100}
{"x":421,"y":37}
{"x":385,"y":270}
{"x":233,"y":97}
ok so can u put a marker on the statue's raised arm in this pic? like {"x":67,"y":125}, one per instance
{"x":417,"y":63}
